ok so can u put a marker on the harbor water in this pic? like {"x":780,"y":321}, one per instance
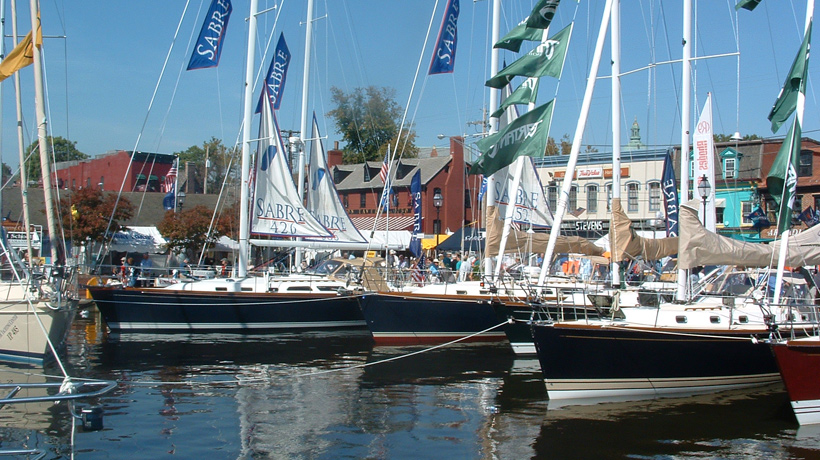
{"x":335,"y":395}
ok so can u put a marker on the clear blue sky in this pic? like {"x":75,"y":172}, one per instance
{"x":102,"y":74}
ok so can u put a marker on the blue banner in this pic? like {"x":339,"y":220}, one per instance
{"x":169,"y":201}
{"x":444,"y":55}
{"x":208,"y":46}
{"x":669,"y":186}
{"x":415,"y":193}
{"x":277,"y":72}
{"x":482,"y":190}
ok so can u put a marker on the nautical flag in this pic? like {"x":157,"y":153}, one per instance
{"x":22,"y":54}
{"x":546,"y":59}
{"x":418,"y":272}
{"x":277,"y":72}
{"x":387,"y":193}
{"x":542,"y":13}
{"x":669,"y":187}
{"x":795,"y":83}
{"x":782,"y":178}
{"x":385,"y":167}
{"x":415,"y":192}
{"x":169,"y":201}
{"x":808,"y":216}
{"x":208,"y":46}
{"x":526,"y":136}
{"x":171,"y":178}
{"x":483,"y":189}
{"x":703,"y":156}
{"x":747,"y":4}
{"x":444,"y":56}
{"x":514,"y":38}
{"x":524,"y":94}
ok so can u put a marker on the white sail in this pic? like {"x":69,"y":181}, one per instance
{"x":323,"y":199}
{"x":277,"y":207}
{"x":531,"y":206}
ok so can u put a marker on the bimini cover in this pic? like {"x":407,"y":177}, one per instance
{"x":138,"y":239}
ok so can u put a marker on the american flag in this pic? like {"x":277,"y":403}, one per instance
{"x":418,"y":272}
{"x":385,"y":167}
{"x":171,"y":178}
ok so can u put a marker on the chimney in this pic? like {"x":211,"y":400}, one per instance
{"x":334,"y":157}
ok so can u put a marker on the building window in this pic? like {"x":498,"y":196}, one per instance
{"x":745,"y":210}
{"x":102,"y":182}
{"x":805,"y":164}
{"x":719,"y":215}
{"x":608,"y":197}
{"x":632,"y":197}
{"x":654,"y":196}
{"x":573,"y":198}
{"x":394,"y":200}
{"x":729,"y":168}
{"x":816,"y":203}
{"x":87,"y":182}
{"x":467,"y":200}
{"x":345,"y":201}
{"x":73,"y":184}
{"x":592,"y":198}
{"x":552,"y":195}
{"x":363,"y":200}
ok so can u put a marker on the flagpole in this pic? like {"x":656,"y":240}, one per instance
{"x":686,"y":109}
{"x":244,"y":227}
{"x":576,"y":143}
{"x":801,"y":104}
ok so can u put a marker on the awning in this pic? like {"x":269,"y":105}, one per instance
{"x":152,"y":177}
{"x":140,"y":176}
{"x":473,"y":240}
{"x":431,"y":243}
{"x":395,"y":222}
{"x":138,"y":239}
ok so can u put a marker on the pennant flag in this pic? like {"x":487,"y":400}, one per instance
{"x":22,"y":54}
{"x":526,"y":136}
{"x":795,"y":83}
{"x":524,"y":94}
{"x":546,"y":59}
{"x":277,"y":72}
{"x":782,"y":178}
{"x":444,"y":56}
{"x":208,"y":46}
{"x":542,"y":14}
{"x":514,"y":38}
{"x":808,"y":217}
{"x":669,"y":187}
{"x":747,"y":4}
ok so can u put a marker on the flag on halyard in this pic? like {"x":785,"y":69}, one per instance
{"x":514,"y":38}
{"x":526,"y":136}
{"x":385,"y":167}
{"x":524,"y":94}
{"x":808,"y":216}
{"x":782,"y":178}
{"x":208,"y":47}
{"x":795,"y":83}
{"x":669,"y":187}
{"x":747,"y":4}
{"x":546,"y":59}
{"x":22,"y":54}
{"x":444,"y":54}
{"x":171,"y":177}
{"x":542,"y":13}
{"x":277,"y":73}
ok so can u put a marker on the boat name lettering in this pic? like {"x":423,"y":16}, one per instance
{"x":10,"y":325}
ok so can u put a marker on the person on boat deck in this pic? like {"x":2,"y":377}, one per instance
{"x":145,"y":267}
{"x":435,"y":271}
{"x":131,"y":270}
{"x":223,"y":269}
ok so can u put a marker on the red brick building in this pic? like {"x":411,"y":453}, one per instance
{"x":107,"y":172}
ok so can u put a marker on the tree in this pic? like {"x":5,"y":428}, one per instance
{"x":59,"y":149}
{"x":219,"y":158}
{"x":187,"y":230}
{"x":85,"y":214}
{"x":368,"y":119}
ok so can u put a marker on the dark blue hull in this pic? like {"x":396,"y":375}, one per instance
{"x":161,"y":310}
{"x":397,"y":319}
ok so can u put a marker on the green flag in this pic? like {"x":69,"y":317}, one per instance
{"x":795,"y":82}
{"x":526,"y":136}
{"x":547,"y":59}
{"x":542,"y":13}
{"x":524,"y":94}
{"x":512,"y":41}
{"x":782,"y":178}
{"x":747,"y":4}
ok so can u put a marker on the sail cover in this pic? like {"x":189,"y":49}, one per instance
{"x":700,"y":247}
{"x":531,"y":207}
{"x":323,"y":199}
{"x":277,"y":207}
{"x":627,"y":245}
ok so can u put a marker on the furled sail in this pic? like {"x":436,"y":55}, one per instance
{"x":322,"y":197}
{"x":277,"y":207}
{"x":700,"y":247}
{"x":626,"y":245}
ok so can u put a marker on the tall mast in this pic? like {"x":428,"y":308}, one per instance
{"x":493,"y":128}
{"x":615,"y":46}
{"x":20,"y":145}
{"x":303,"y":132}
{"x":685,"y":117}
{"x":244,"y":227}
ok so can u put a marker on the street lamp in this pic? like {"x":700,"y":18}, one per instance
{"x":704,"y":188}
{"x":438,"y":200}
{"x":180,"y":200}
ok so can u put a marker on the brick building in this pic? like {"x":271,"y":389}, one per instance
{"x":107,"y":172}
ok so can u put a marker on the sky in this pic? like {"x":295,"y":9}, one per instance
{"x":104,"y":60}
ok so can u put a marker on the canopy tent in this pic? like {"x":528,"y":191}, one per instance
{"x":473,"y":240}
{"x":431,"y":243}
{"x":138,"y":239}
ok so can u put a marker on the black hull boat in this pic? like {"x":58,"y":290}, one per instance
{"x":612,"y":362}
{"x":410,"y":319}
{"x":164,"y":310}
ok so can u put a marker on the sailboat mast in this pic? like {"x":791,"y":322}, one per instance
{"x":493,"y":128}
{"x":20,"y":145}
{"x":685,"y":117}
{"x":615,"y":47}
{"x":303,"y":130}
{"x":244,"y":212}
{"x":42,"y":132}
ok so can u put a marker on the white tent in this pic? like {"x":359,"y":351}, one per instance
{"x":138,"y":239}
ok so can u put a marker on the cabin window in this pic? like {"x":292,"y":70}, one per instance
{"x":654,"y":196}
{"x":681,"y":319}
{"x":714,"y":319}
{"x":805,"y":164}
{"x":592,"y":198}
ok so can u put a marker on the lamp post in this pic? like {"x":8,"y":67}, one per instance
{"x":704,"y":188}
{"x":180,"y":200}
{"x":438,"y":200}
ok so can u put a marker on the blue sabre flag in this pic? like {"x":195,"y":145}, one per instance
{"x":415,"y":192}
{"x":277,"y":73}
{"x":444,"y":54}
{"x":208,"y":46}
{"x":808,"y":217}
{"x":670,"y":196}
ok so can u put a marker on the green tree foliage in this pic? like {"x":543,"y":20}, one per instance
{"x":566,"y":146}
{"x":62,"y":150}
{"x":218,"y":157}
{"x":85,"y":213}
{"x":187,"y":230}
{"x":368,"y":119}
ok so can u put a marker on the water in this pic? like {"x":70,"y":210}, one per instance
{"x":325,"y":395}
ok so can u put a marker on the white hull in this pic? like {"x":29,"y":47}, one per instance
{"x":23,"y":333}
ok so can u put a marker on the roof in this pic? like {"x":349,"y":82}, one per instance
{"x":382,"y":222}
